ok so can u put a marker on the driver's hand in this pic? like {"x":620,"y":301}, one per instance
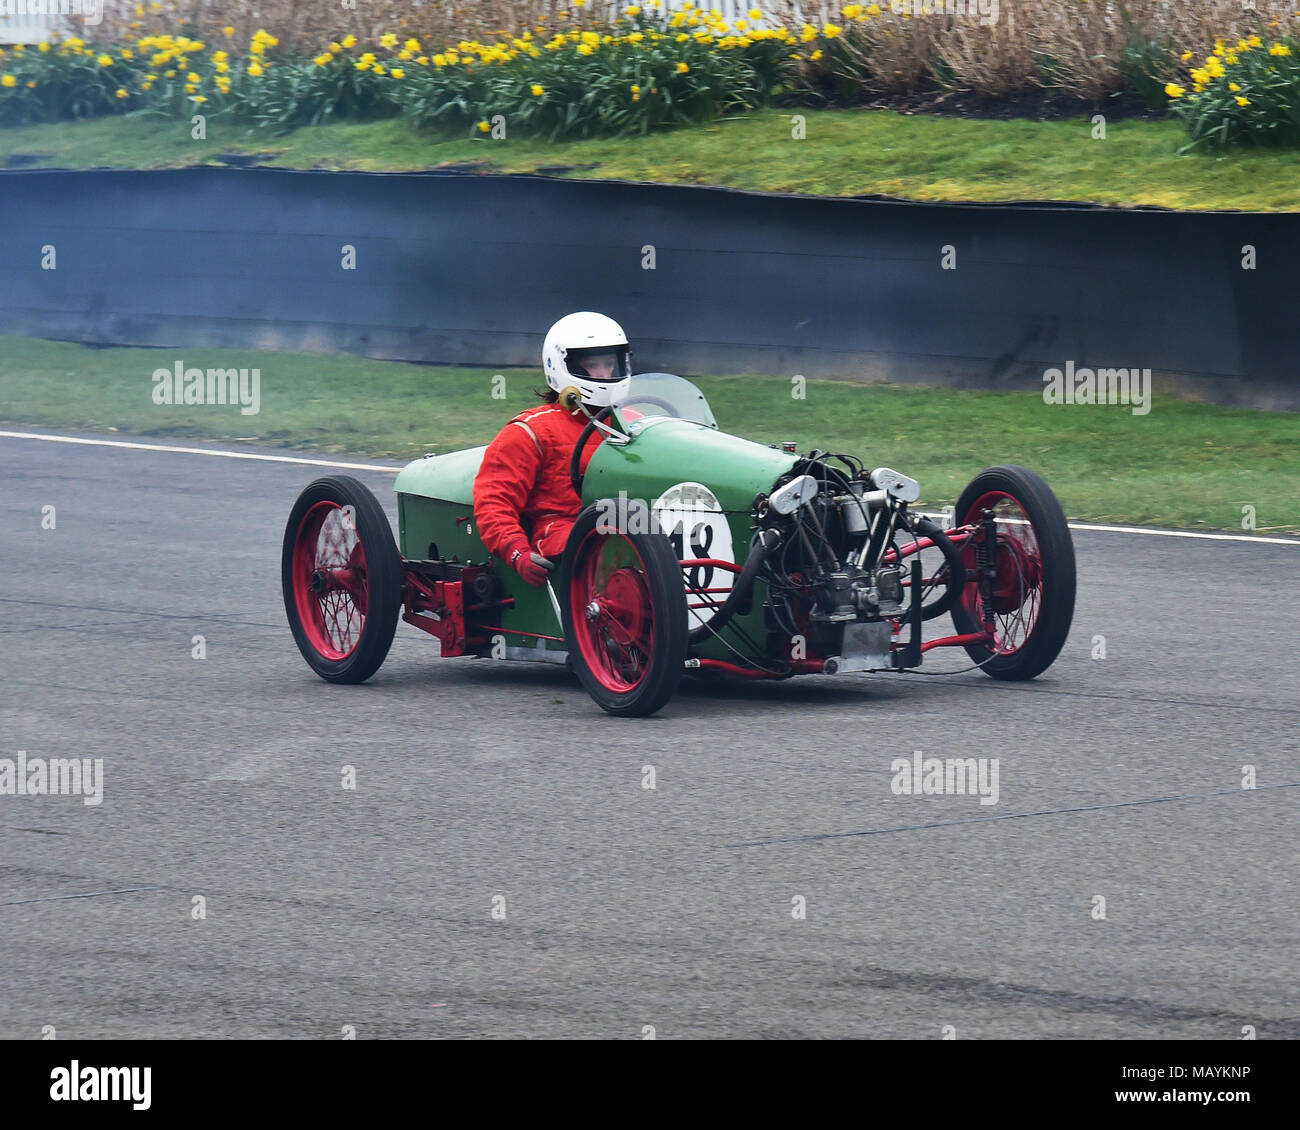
{"x":533,"y":567}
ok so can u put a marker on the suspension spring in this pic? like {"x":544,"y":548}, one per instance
{"x":986,"y":558}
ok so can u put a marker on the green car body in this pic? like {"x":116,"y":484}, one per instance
{"x":435,"y":497}
{"x":691,"y":550}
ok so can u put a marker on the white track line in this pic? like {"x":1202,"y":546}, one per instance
{"x":199,"y":451}
{"x":1179,"y":534}
{"x":1085,"y":526}
{"x":1090,"y":527}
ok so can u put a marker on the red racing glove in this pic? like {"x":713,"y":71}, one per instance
{"x":533,"y":567}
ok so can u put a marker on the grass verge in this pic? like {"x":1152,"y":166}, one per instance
{"x":1185,"y":464}
{"x":845,"y":153}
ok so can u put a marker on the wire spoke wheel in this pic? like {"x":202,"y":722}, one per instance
{"x":1032,"y":589}
{"x":1018,"y":579}
{"x":341,"y":577}
{"x":624,"y":612}
{"x":329,"y":580}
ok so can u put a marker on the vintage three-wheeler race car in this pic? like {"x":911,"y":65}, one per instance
{"x":694,"y":551}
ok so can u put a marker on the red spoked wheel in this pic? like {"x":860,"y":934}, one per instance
{"x":624,"y":610}
{"x":341,"y":578}
{"x":1031,"y":599}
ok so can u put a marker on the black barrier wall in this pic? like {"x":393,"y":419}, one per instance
{"x":472,"y":269}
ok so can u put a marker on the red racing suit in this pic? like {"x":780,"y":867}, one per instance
{"x":522,"y":491}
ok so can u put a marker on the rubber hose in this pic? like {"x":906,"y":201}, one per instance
{"x":926,"y":528}
{"x":739,"y":593}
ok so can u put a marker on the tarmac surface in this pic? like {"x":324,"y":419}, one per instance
{"x":625,"y":908}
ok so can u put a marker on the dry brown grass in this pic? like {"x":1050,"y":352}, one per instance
{"x":1074,"y":44}
{"x":308,"y":25}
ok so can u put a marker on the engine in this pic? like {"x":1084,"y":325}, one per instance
{"x":827,"y":540}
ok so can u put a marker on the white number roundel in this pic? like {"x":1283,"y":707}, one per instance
{"x":692,"y":517}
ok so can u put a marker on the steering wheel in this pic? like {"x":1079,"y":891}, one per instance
{"x":575,"y":460}
{"x":655,"y":400}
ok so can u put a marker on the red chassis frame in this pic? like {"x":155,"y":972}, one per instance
{"x":435,"y":603}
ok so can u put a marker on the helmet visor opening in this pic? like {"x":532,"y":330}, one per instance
{"x":603,"y":364}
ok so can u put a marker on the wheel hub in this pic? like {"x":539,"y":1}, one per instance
{"x":1019,"y":571}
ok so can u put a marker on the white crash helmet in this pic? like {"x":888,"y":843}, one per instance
{"x":576,"y":337}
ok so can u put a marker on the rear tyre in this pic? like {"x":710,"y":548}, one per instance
{"x":624,"y":610}
{"x":341,"y":578}
{"x":1033,"y":589}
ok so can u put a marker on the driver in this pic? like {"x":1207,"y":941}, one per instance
{"x":524,"y":501}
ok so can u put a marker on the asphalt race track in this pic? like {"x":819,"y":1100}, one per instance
{"x":673,"y":908}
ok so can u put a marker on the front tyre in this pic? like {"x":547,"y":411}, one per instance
{"x":624,"y":609}
{"x":1034,"y":579}
{"x":341,"y":578}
